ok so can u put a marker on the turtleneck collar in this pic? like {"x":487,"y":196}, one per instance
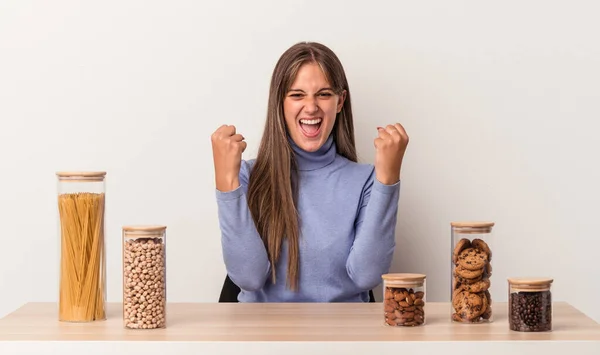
{"x":314,"y":160}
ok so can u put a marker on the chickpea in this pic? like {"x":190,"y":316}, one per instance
{"x":144,"y":290}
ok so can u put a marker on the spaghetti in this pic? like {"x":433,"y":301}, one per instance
{"x":82,"y":268}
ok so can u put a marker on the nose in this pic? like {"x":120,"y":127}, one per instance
{"x":312,"y":107}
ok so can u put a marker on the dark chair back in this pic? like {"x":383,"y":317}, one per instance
{"x":230,"y":292}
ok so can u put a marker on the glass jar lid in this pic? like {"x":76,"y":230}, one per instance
{"x":404,"y":279}
{"x":81,"y":175}
{"x":530,"y":283}
{"x":472,"y":226}
{"x":144,"y":230}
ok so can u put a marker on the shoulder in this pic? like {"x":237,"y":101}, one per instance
{"x":362,"y":172}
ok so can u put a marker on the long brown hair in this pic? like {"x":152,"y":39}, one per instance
{"x":272,"y":188}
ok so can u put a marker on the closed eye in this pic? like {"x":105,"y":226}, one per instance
{"x":299,"y":94}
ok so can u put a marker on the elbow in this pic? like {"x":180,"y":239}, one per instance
{"x":365,"y":281}
{"x":365,"y":284}
{"x":250,"y":284}
{"x":369,"y":274}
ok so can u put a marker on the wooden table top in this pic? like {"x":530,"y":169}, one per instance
{"x":345,"y":322}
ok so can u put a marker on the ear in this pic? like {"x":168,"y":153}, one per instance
{"x":342,"y":99}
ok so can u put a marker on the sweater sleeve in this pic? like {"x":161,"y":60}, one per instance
{"x":375,"y":238}
{"x":244,"y":253}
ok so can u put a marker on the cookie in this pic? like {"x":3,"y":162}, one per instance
{"x":467,"y":274}
{"x":472,"y":259}
{"x":463,"y":281}
{"x":470,"y":305}
{"x":488,"y":269}
{"x":455,"y":283}
{"x":485,"y":306}
{"x":488,"y":296}
{"x":460,"y":246}
{"x":481,"y":245}
{"x":456,"y":296}
{"x":456,"y":317}
{"x":487,"y":314}
{"x":477,"y":287}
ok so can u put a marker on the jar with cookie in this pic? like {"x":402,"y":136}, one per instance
{"x":144,"y":277}
{"x":404,"y":300}
{"x":530,"y":304}
{"x":471,"y":272}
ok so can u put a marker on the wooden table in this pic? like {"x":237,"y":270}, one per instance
{"x":207,"y":328}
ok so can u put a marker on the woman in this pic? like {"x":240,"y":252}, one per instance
{"x":304,"y":222}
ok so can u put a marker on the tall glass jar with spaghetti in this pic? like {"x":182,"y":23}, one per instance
{"x":471,"y":272}
{"x":144,"y":277}
{"x":82,"y":280}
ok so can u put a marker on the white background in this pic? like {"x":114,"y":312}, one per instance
{"x":501,"y":102}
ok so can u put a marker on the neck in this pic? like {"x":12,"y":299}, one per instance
{"x":314,"y":160}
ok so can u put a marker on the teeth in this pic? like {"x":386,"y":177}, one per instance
{"x":315,"y":121}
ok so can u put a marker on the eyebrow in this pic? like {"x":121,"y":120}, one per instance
{"x":323,"y":89}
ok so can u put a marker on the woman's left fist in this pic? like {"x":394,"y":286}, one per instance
{"x":390,"y":146}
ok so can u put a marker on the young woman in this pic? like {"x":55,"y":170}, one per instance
{"x":304,"y":222}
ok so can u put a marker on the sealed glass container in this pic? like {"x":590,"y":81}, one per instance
{"x":82,"y":273}
{"x":530,"y":304}
{"x":471,"y":272}
{"x":404,"y":299}
{"x":144,"y":277}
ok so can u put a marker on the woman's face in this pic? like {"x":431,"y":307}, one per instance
{"x":310,"y":108}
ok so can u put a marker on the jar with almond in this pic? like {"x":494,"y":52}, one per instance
{"x":404,"y":299}
{"x":471,"y":272}
{"x":144,"y":277}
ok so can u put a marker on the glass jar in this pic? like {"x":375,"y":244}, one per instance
{"x":471,"y":272}
{"x":144,"y":277}
{"x":82,"y":273}
{"x":530,"y":304}
{"x":404,"y":299}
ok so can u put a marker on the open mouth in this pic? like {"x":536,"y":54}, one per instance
{"x":311,"y":127}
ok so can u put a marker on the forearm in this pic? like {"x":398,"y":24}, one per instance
{"x":244,"y":253}
{"x":373,"y":248}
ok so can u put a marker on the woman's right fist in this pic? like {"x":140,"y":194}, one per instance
{"x":228,"y":147}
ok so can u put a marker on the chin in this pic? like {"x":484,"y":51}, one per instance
{"x":311,"y":146}
{"x":311,"y":142}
